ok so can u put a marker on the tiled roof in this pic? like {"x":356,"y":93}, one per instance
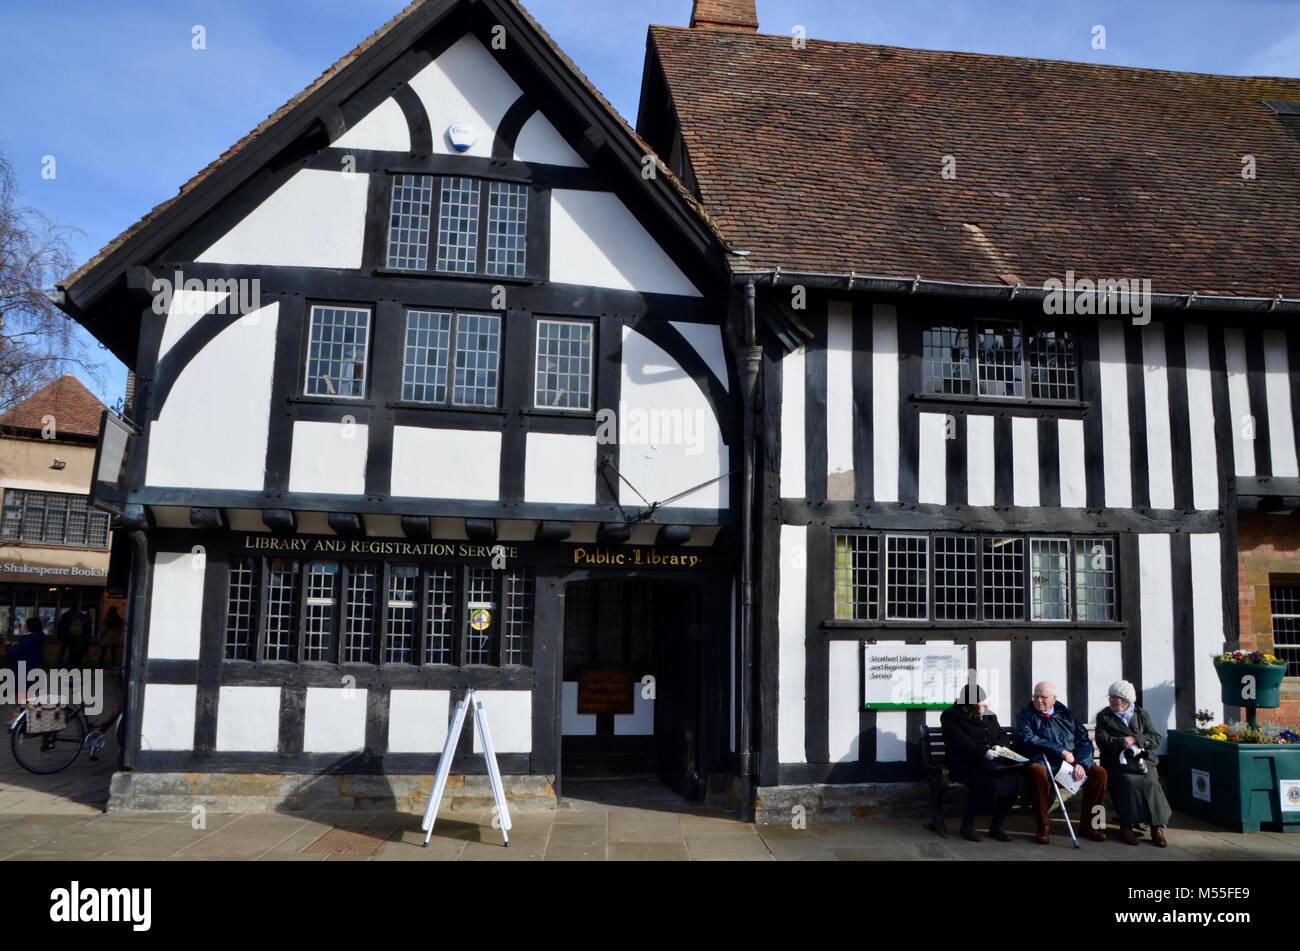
{"x":830,"y":158}
{"x":75,"y":410}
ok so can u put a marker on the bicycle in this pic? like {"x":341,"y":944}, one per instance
{"x":47,"y":739}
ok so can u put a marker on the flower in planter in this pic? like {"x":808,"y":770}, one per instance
{"x":1249,"y":657}
{"x":1241,"y":732}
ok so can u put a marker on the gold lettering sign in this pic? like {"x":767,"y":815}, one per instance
{"x":367,"y":546}
{"x":633,"y":558}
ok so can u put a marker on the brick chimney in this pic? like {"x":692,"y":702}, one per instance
{"x":737,"y":16}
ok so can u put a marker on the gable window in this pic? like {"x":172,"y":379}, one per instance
{"x":338,"y":341}
{"x":481,"y":226}
{"x":999,"y":360}
{"x":1284,"y":601}
{"x":564,"y":364}
{"x":451,"y":358}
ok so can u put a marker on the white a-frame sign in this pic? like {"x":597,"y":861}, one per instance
{"x":444,"y":767}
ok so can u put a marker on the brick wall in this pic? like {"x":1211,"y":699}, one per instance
{"x":1267,"y":545}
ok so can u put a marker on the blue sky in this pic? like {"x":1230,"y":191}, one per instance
{"x":114,"y":91}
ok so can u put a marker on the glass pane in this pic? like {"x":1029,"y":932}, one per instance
{"x":440,"y":617}
{"x":281,"y":610}
{"x":458,"y":226}
{"x":507,"y":229}
{"x":408,"y":225}
{"x":564,"y":362}
{"x":336,"y":356}
{"x":478,"y":350}
{"x":321,"y":610}
{"x":359,"y":622}
{"x":1001,"y":361}
{"x":956,"y":578}
{"x":1004,"y":579}
{"x":1094,"y":579}
{"x":401,"y":611}
{"x":1049,"y":581}
{"x":945,"y":360}
{"x":1052,"y":374}
{"x":428,"y":348}
{"x":907,"y":577}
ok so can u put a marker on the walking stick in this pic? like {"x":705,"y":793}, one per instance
{"x":1060,"y":799}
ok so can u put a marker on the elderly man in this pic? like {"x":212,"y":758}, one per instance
{"x":1047,"y":728}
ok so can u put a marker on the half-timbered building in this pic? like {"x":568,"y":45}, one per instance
{"x":432,"y":394}
{"x":950,"y":452}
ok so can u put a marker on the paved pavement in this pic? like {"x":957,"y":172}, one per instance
{"x":62,"y":817}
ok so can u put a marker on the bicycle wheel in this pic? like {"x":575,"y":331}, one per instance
{"x":49,"y":752}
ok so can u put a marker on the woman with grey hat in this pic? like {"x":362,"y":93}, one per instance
{"x":970,"y":734}
{"x":1127,"y":740}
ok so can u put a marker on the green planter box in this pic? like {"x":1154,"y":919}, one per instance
{"x":1268,"y":684}
{"x":1235,"y":785}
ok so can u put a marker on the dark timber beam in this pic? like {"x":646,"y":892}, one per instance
{"x":279,"y":520}
{"x":345,"y":523}
{"x":553,"y":531}
{"x":208,"y":518}
{"x":674,"y":535}
{"x":613,"y":533}
{"x":481,"y":529}
{"x":417,"y":527}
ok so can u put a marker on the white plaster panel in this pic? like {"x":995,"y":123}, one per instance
{"x":1048,"y":659}
{"x":418,"y":720}
{"x":560,"y":469}
{"x":446,"y":463}
{"x":794,"y":471}
{"x":891,"y":736}
{"x":1207,"y":620}
{"x":509,"y":718}
{"x":979,"y":460}
{"x":539,"y":141}
{"x":1200,"y":413}
{"x":248,"y":719}
{"x":706,"y":340}
{"x":213,"y":429}
{"x":845,"y":659}
{"x":334,"y":720}
{"x":597,"y":242}
{"x":187,"y":309}
{"x":383,"y":129}
{"x":1105,"y":666}
{"x":1024,"y":461}
{"x":641,"y":721}
{"x":176,"y":605}
{"x":993,"y":673}
{"x":792,"y":601}
{"x":465,"y":85}
{"x":573,"y":723}
{"x":167,"y":722}
{"x":1243,"y":420}
{"x":1277,"y":393}
{"x":329,"y":458}
{"x":669,"y":440}
{"x":1160,"y":460}
{"x":1157,"y":606}
{"x":1071,"y":455}
{"x":886,"y":446}
{"x":1118,"y":470}
{"x":315,"y":219}
{"x":932,"y":464}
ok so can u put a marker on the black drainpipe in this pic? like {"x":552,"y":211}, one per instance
{"x":748,"y":364}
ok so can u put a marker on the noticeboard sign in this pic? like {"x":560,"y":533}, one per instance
{"x":913,"y":676}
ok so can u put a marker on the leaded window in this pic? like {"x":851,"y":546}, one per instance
{"x":52,"y":518}
{"x":338,"y":341}
{"x":320,"y":610}
{"x":857,"y":577}
{"x":458,"y":224}
{"x":359,"y":617}
{"x":480,"y":628}
{"x":241,"y":609}
{"x":1003,"y":568}
{"x":564,"y":364}
{"x":945,"y":359}
{"x":517,"y":626}
{"x":1052,"y":365}
{"x":409,"y":221}
{"x":1284,"y":600}
{"x":507,"y":236}
{"x":1049,"y":579}
{"x":468,"y":344}
{"x":440,"y":617}
{"x":281,"y":610}
{"x":1000,"y":360}
{"x":1094,"y":579}
{"x":956,"y":577}
{"x":402,"y":613}
{"x":907,"y":571}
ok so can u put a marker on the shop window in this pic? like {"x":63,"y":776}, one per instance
{"x":1049,"y":579}
{"x":1284,"y":598}
{"x":338,"y":342}
{"x":956,"y":578}
{"x":1094,"y":579}
{"x":52,"y":518}
{"x":564,"y":364}
{"x":907,"y":568}
{"x":1003,"y":565}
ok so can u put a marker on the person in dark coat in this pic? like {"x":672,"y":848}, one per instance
{"x":1046,"y":728}
{"x":1127,"y":740}
{"x":73,"y":633}
{"x":30,"y":648}
{"x":970,"y":733}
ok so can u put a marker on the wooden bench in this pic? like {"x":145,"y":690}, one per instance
{"x":934,"y":759}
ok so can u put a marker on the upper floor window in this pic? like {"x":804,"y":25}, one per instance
{"x":999,"y":359}
{"x":461,"y":245}
{"x":338,"y":340}
{"x":451,"y":358}
{"x":564,"y":364}
{"x":52,"y":518}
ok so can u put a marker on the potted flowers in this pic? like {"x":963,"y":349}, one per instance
{"x":1250,"y":679}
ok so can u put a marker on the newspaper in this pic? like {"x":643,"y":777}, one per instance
{"x":1005,"y":753}
{"x":1065,"y":779}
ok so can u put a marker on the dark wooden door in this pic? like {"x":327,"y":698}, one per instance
{"x":677,"y":694}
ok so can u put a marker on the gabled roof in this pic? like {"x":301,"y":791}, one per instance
{"x":829,"y":159}
{"x":316,"y":106}
{"x":76,"y":411}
